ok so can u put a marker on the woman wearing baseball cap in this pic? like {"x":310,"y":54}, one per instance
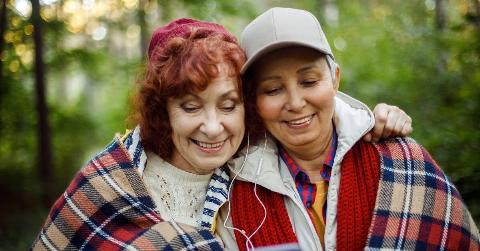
{"x":312,"y":180}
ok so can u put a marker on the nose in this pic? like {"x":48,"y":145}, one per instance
{"x":212,"y":125}
{"x":296,"y":101}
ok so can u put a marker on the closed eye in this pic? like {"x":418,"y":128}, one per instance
{"x":190,"y":108}
{"x":228,"y":105}
{"x":273,"y":91}
{"x":228,"y":108}
{"x":310,"y":82}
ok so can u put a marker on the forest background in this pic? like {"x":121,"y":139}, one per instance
{"x":65,"y":90}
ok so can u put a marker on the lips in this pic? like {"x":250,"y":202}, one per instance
{"x":209,"y":147}
{"x":300,"y":123}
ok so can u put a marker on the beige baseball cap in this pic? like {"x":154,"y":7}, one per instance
{"x":282,"y":27}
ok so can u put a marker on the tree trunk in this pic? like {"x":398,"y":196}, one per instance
{"x":441,"y":25}
{"x":3,"y":27}
{"x":142,"y":22}
{"x":44,"y":151}
{"x":441,"y":14}
{"x":165,"y":9}
{"x":476,"y":4}
{"x":320,"y":4}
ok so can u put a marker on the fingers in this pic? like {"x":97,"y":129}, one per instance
{"x":381,"y":114}
{"x":390,"y":121}
{"x":403,"y":125}
{"x":397,"y":128}
{"x":407,"y":128}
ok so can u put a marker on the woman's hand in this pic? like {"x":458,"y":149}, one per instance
{"x":390,"y":121}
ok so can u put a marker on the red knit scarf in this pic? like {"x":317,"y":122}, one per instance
{"x":358,"y":190}
{"x":247,"y":214}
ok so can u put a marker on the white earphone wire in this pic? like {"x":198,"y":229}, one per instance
{"x":248,"y":242}
{"x":260,"y":163}
{"x":229,"y":193}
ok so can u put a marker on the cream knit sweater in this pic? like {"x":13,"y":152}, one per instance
{"x":178,"y":195}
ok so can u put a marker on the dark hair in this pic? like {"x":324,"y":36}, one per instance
{"x":253,"y":123}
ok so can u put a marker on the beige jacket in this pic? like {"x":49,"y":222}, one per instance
{"x":352,"y":120}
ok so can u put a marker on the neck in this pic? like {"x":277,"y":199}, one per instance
{"x":310,"y":157}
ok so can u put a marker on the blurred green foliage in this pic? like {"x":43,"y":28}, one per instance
{"x":389,"y":51}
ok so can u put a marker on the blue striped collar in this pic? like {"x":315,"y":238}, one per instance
{"x":217,"y":188}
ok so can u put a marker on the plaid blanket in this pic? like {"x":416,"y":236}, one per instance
{"x":107,"y":207}
{"x":417,"y":207}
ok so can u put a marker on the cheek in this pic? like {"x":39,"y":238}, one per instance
{"x":268,"y":107}
{"x":318,"y":101}
{"x":174,"y":115}
{"x":181,"y":124}
{"x":235,"y":123}
{"x":175,"y":121}
{"x":322,"y":97}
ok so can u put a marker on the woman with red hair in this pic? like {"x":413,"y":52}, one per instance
{"x":158,"y":186}
{"x":161,"y":184}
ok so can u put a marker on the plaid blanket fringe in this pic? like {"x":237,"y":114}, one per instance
{"x":417,"y":207}
{"x":107,"y":207}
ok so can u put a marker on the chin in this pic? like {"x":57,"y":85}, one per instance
{"x":301,"y":141}
{"x":211,"y":166}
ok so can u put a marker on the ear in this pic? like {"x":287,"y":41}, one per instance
{"x":337,"y":78}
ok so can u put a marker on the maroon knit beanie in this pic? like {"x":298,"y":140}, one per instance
{"x":183,"y":27}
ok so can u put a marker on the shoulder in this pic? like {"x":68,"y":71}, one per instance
{"x":107,"y":185}
{"x":403,"y":156}
{"x":397,"y":143}
{"x":109,"y":169}
{"x":114,"y":155}
{"x":400,"y":149}
{"x":412,"y":186}
{"x":99,"y":173}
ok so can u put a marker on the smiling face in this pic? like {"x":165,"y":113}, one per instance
{"x":295,"y":96}
{"x":207,"y":126}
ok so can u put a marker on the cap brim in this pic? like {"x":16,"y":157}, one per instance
{"x":277,"y":45}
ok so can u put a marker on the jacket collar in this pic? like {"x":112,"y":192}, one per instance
{"x":352,"y":119}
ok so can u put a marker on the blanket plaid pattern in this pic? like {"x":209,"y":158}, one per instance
{"x":107,"y":207}
{"x":417,"y":207}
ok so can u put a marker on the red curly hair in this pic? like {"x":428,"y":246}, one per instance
{"x":183,"y":66}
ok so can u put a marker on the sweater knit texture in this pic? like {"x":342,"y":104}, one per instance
{"x":178,"y":195}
